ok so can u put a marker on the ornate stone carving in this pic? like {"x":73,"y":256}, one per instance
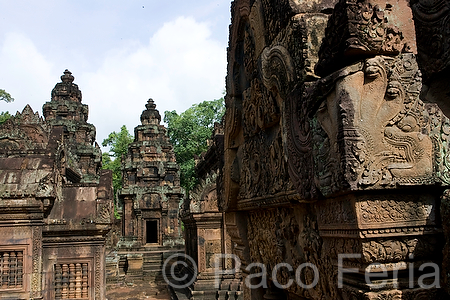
{"x":364,"y":153}
{"x":66,"y":110}
{"x":203,"y":197}
{"x":365,"y":28}
{"x":104,"y":213}
{"x":432,"y":23}
{"x":389,"y":136}
{"x":98,"y":278}
{"x":151,"y":188}
{"x":36,"y":276}
{"x":277,"y":67}
{"x":24,"y":131}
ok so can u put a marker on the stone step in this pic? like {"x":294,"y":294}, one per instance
{"x":178,"y":294}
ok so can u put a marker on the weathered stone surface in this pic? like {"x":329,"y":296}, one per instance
{"x":381,"y":133}
{"x":352,"y":162}
{"x":359,"y":29}
{"x":66,"y":110}
{"x":55,"y":212}
{"x":431,"y":21}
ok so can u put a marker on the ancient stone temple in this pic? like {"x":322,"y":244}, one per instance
{"x":56,"y":202}
{"x":336,"y":150}
{"x":205,"y":233}
{"x":151,"y":196}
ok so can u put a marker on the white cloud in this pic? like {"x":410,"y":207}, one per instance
{"x":24,"y":73}
{"x":180,"y":65}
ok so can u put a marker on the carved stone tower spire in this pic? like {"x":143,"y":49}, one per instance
{"x":66,"y":101}
{"x":66,"y":110}
{"x":151,"y":115}
{"x":66,"y":90}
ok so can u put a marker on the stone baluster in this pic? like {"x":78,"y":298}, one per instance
{"x":78,"y":274}
{"x":12,"y":268}
{"x":19,"y":269}
{"x":71,"y":281}
{"x":84,"y":281}
{"x":58,"y":281}
{"x":65,"y":281}
{"x":5,"y":268}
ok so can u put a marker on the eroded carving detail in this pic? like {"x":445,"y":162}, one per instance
{"x":432,"y":23}
{"x":365,"y":28}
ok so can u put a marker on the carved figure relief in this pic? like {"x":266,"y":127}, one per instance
{"x":375,"y":114}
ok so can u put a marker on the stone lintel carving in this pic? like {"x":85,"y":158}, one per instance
{"x":379,"y":214}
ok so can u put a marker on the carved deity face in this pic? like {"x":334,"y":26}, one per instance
{"x":375,"y":108}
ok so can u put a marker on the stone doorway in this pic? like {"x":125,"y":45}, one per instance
{"x":152,"y":232}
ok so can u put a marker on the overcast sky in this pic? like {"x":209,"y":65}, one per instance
{"x":120,"y":52}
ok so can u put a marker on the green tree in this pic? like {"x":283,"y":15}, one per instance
{"x":189,"y":132}
{"x":5,"y":96}
{"x":4,"y":116}
{"x":112,"y":160}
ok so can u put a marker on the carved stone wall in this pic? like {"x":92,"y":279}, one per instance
{"x":332,"y":147}
{"x":205,"y":233}
{"x":56,"y":203}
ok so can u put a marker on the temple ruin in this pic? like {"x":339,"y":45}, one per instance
{"x":56,"y":202}
{"x":151,"y":196}
{"x":328,"y":180}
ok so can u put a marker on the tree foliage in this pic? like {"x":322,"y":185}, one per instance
{"x":189,"y":132}
{"x":112,"y":160}
{"x":5,"y":96}
{"x":4,"y":116}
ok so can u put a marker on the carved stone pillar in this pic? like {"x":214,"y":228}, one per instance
{"x":128,"y":217}
{"x":378,"y":154}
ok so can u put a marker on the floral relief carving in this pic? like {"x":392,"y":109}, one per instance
{"x":36,"y":277}
{"x":336,"y":212}
{"x":399,"y":249}
{"x":263,"y":164}
{"x":366,"y":156}
{"x":278,"y":237}
{"x":299,"y":145}
{"x":384,"y":211}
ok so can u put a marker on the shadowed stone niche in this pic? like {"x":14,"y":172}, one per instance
{"x":55,"y":203}
{"x":335,"y":158}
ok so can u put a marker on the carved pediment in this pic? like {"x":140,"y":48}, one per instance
{"x":24,"y":131}
{"x":203,"y":198}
